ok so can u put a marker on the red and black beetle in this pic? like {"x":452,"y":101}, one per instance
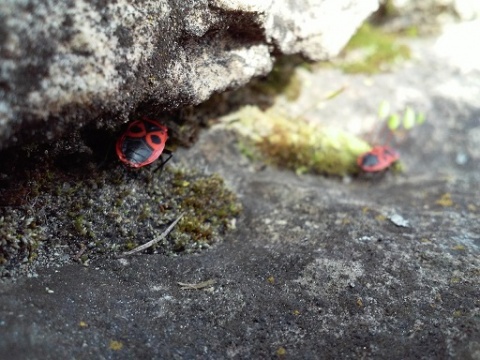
{"x":377,"y":159}
{"x":142,"y":143}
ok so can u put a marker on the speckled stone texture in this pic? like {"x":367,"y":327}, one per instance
{"x":64,"y":64}
{"x":318,"y":268}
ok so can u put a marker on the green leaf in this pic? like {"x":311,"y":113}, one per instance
{"x":420,"y":119}
{"x":335,"y":93}
{"x":393,"y":122}
{"x":383,"y":109}
{"x":409,"y":118}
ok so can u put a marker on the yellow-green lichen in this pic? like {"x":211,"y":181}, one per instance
{"x":372,"y":50}
{"x":296,"y":144}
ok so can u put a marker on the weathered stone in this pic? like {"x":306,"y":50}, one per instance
{"x":465,"y":9}
{"x":64,"y":64}
{"x":318,"y":267}
{"x":316,"y":29}
{"x":429,"y":15}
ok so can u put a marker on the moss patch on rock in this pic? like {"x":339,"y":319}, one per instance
{"x":282,"y":80}
{"x":296,"y":144}
{"x":51,"y":215}
{"x":372,"y":50}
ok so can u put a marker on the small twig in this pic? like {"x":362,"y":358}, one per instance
{"x":154,"y":241}
{"x":79,"y":253}
{"x":198,"y":286}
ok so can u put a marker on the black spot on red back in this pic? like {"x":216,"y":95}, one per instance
{"x":156,"y":139}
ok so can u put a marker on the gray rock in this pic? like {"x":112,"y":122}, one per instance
{"x":64,"y":64}
{"x":429,"y":15}
{"x":464,"y":9}
{"x":315,"y":269}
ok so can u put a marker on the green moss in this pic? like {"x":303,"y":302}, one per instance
{"x":205,"y":215}
{"x":281,"y":80}
{"x":32,"y":256}
{"x":372,"y":50}
{"x":198,"y":229}
{"x":390,"y":8}
{"x":145,"y":213}
{"x":109,"y":215}
{"x":79,"y":226}
{"x":247,"y":150}
{"x":130,"y":245}
{"x":298,"y":145}
{"x":412,"y":31}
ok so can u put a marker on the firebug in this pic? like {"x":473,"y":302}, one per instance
{"x":142,"y":143}
{"x":377,"y":159}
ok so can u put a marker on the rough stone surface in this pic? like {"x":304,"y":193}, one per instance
{"x":464,"y":9}
{"x":372,"y":268}
{"x":430,"y":15}
{"x":65,"y":64}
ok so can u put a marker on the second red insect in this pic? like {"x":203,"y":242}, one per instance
{"x":378,"y":159}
